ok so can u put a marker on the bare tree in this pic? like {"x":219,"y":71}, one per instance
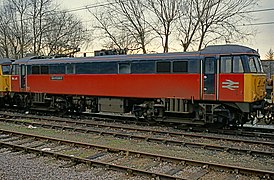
{"x":132,"y":16}
{"x":5,"y":35}
{"x":114,"y":35}
{"x":166,"y":13}
{"x":38,"y":11}
{"x":215,"y":20}
{"x":188,"y":24}
{"x":16,"y":27}
{"x":129,"y":20}
{"x":35,"y":27}
{"x":20,"y":23}
{"x":222,"y":19}
{"x":64,"y":33}
{"x":270,"y":55}
{"x":13,"y":30}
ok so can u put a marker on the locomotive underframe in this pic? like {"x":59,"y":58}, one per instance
{"x":205,"y":112}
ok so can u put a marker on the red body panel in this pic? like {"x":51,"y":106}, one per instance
{"x":15,"y":83}
{"x":231,"y":87}
{"x":184,"y":86}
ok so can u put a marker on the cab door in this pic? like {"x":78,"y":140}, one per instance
{"x":23,"y":77}
{"x":15,"y":78}
{"x":209,"y":78}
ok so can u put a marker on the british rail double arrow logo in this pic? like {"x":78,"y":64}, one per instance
{"x":231,"y":85}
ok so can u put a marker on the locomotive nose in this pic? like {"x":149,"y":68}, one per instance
{"x":255,"y":87}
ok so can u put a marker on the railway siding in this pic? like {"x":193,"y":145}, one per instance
{"x":117,"y":142}
{"x":124,"y":163}
{"x":255,"y":148}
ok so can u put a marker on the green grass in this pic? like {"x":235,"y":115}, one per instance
{"x":27,"y":120}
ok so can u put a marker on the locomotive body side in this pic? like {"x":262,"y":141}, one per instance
{"x":117,"y":85}
{"x":220,"y":84}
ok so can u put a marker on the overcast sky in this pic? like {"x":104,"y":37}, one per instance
{"x":263,"y":41}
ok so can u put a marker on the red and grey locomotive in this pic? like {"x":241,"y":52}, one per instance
{"x":219,"y":84}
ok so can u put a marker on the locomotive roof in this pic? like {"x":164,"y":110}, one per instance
{"x":213,"y":50}
{"x":5,"y":61}
{"x":228,"y":49}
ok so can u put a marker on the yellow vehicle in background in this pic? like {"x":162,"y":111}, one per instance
{"x":5,"y":78}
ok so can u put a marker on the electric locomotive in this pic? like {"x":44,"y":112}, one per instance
{"x":222,"y":84}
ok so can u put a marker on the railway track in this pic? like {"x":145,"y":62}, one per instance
{"x":246,"y":131}
{"x":119,"y":159}
{"x":150,"y":135}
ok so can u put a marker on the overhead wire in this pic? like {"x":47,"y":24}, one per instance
{"x":258,"y":24}
{"x":78,"y":9}
{"x":260,"y":10}
{"x":81,"y":8}
{"x":90,"y":6}
{"x":251,"y":11}
{"x":109,"y":3}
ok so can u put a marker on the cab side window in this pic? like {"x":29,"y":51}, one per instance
{"x":6,"y":69}
{"x":15,"y":69}
{"x":231,"y":64}
{"x":237,"y":65}
{"x":226,"y":64}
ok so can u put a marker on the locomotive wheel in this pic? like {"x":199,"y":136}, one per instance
{"x":80,"y":108}
{"x":27,"y":101}
{"x":138,"y":114}
{"x":268,"y":118}
{"x":61,"y":106}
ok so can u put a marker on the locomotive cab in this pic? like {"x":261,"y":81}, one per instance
{"x":253,"y":90}
{"x":234,"y":86}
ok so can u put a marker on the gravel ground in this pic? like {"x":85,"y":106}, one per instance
{"x":17,"y":166}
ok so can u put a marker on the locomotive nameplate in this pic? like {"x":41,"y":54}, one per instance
{"x":56,"y":77}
